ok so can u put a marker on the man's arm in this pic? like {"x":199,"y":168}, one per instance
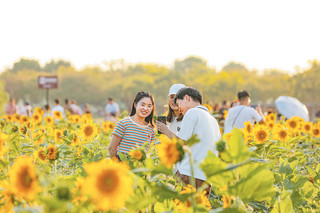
{"x":259,"y":111}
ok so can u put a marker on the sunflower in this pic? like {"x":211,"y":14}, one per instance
{"x":57,"y":134}
{"x":23,"y":179}
{"x":86,"y":116}
{"x":6,"y":195}
{"x":316,"y":132}
{"x":137,"y":154}
{"x":108,"y":183}
{"x":270,"y":125}
{"x":227,"y":136}
{"x":36,"y":118}
{"x":25,"y":119}
{"x":40,"y":154}
{"x":52,"y":153}
{"x":38,"y":137}
{"x":17,"y":118}
{"x":39,"y":111}
{"x":292,"y":124}
{"x":107,"y":126}
{"x":23,"y":129}
{"x":75,"y":140}
{"x":272,"y":117}
{"x":57,"y":115}
{"x":70,"y":119}
{"x":48,"y":120}
{"x":281,"y":134}
{"x":10,"y":118}
{"x":307,"y":127}
{"x":88,"y":131}
{"x":248,"y":127}
{"x":260,"y":134}
{"x":78,"y":195}
{"x":169,"y":151}
{"x":200,"y":198}
{"x":76,"y":119}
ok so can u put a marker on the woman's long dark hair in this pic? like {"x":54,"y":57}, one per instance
{"x":139,"y":96}
{"x":171,"y":114}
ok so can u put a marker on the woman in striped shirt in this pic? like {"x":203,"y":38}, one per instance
{"x":137,"y":129}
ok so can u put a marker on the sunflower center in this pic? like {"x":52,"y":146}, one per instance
{"x":293,"y":124}
{"x":107,"y":182}
{"x":25,"y":178}
{"x":88,"y":130}
{"x":283,"y":134}
{"x":307,"y":127}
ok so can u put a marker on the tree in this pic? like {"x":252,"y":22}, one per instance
{"x":187,"y":63}
{"x":234,"y":67}
{"x":26,"y":64}
{"x":53,"y":65}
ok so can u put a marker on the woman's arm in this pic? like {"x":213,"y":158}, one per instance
{"x":113,"y":146}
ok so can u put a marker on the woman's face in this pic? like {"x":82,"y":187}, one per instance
{"x":144,"y":107}
{"x":171,"y":103}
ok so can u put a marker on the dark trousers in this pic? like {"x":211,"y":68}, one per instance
{"x":187,"y":180}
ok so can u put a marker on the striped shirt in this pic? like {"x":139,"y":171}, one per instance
{"x":133,"y":135}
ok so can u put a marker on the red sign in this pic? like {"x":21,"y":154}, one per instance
{"x":48,"y":82}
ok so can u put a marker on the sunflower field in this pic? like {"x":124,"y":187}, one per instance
{"x":53,"y":164}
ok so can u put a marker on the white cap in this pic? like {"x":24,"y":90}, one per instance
{"x":175,"y":88}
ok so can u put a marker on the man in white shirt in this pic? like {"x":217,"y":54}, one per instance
{"x":242,"y":113}
{"x":196,"y":121}
{"x":57,"y":107}
{"x":112,"y":110}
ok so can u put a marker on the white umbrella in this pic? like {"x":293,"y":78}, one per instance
{"x":290,"y":106}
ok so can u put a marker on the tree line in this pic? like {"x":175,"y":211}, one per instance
{"x":122,"y":81}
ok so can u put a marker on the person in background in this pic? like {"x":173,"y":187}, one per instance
{"x":76,"y":110}
{"x":243,"y":113}
{"x":174,"y":116}
{"x":225,"y":107}
{"x":47,"y":110}
{"x":26,"y":109}
{"x":67,"y":108}
{"x":112,"y":110}
{"x":87,"y":109}
{"x":137,"y":129}
{"x":11,"y":108}
{"x":57,"y":107}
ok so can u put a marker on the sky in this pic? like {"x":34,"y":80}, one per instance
{"x":262,"y":34}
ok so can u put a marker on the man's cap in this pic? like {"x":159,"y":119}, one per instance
{"x":175,"y":88}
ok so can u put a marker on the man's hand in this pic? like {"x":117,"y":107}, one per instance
{"x":165,"y":129}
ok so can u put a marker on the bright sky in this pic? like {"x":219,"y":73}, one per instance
{"x":261,"y":34}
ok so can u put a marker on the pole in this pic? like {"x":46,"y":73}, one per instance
{"x":47,"y":97}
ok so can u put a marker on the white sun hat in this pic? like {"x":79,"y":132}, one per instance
{"x":175,"y":88}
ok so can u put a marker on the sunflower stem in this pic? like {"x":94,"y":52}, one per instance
{"x":55,"y":167}
{"x":193,"y":181}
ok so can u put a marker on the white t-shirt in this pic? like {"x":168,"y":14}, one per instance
{"x":244,"y":114}
{"x":174,"y":125}
{"x":57,"y":108}
{"x":198,"y":121}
